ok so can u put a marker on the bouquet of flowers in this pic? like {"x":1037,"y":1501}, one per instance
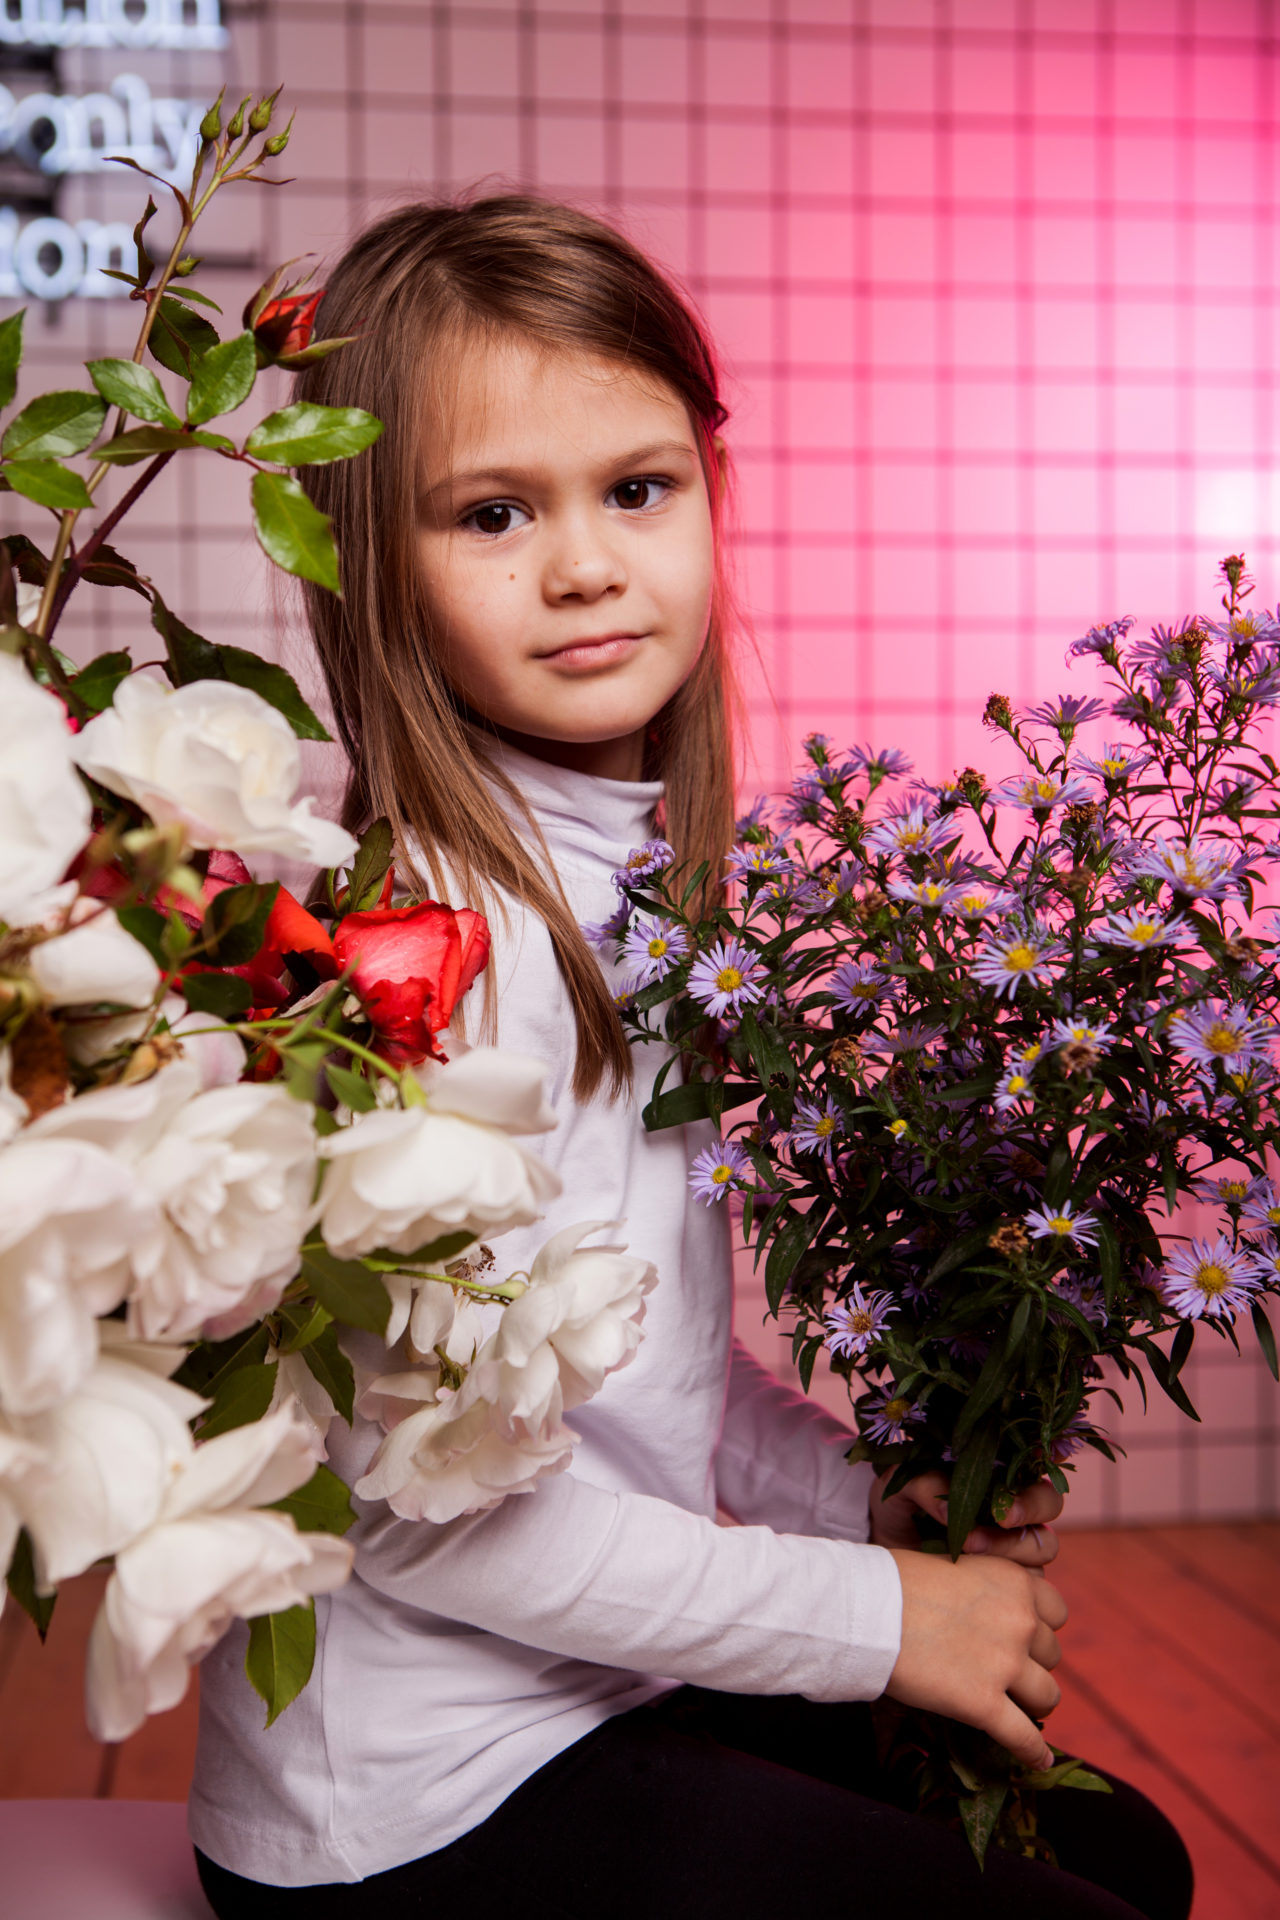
{"x":232,"y":1145}
{"x":985,"y":1039}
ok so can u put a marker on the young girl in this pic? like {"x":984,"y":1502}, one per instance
{"x":595,"y":1700}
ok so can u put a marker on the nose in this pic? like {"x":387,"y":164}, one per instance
{"x":583,"y":563}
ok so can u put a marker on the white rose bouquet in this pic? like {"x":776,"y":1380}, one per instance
{"x":229,"y":1132}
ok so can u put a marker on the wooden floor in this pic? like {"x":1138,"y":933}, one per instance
{"x":1171,"y":1678}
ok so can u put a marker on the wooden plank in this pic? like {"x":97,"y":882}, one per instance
{"x":1175,"y":1708}
{"x":1230,"y":1884}
{"x":47,"y":1751}
{"x":1230,"y":1562}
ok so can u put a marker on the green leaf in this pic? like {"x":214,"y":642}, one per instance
{"x":351,"y":1089}
{"x":147,"y":925}
{"x":979,"y":1813}
{"x":223,"y":995}
{"x":292,"y":532}
{"x":140,"y":443}
{"x":331,"y":1367}
{"x":1169,"y":1381}
{"x":280,"y":1656}
{"x":10,"y":356}
{"x":1057,"y":1175}
{"x":179,"y":337}
{"x":54,"y":426}
{"x":1266,"y":1337}
{"x":322,"y":1506}
{"x":96,"y":684}
{"x":21,"y":1580}
{"x":1169,"y":1170}
{"x":274,"y":685}
{"x":369,"y":868}
{"x":306,"y":435}
{"x":690,"y":1102}
{"x":785,"y":1250}
{"x":222,"y":379}
{"x":352,"y":1294}
{"x":110,"y":569}
{"x":969,"y":1483}
{"x":1180,"y":1351}
{"x":191,"y":657}
{"x":301,"y":1322}
{"x":957,"y":1253}
{"x":997,"y":1370}
{"x":47,"y":483}
{"x":235,"y":921}
{"x":242,"y":1397}
{"x":135,"y":389}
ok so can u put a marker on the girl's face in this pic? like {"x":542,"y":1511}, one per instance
{"x":566,"y":545}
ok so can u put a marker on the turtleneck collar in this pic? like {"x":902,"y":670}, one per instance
{"x":580,"y":809}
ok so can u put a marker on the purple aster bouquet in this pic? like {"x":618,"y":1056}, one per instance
{"x":970,"y":1047}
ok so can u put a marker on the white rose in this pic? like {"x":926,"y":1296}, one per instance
{"x":433,"y":1315}
{"x":579,"y":1320}
{"x":69,"y":1215}
{"x":448,"y":1456}
{"x":94,"y":961}
{"x":213,"y":758}
{"x":209,"y":1558}
{"x":295,"y":1383}
{"x":219,"y":1057}
{"x":231,"y":1172}
{"x":45,"y":813}
{"x":107,"y":1454}
{"x":402,"y":1179}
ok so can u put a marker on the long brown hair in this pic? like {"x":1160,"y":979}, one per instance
{"x":413,"y":288}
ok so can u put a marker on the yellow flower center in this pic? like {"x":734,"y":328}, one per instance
{"x":1211,"y":1278}
{"x":1144,"y":930}
{"x":721,"y":1173}
{"x":1113,"y":768}
{"x":972,"y":902}
{"x":1021,"y":958}
{"x":898,"y":1128}
{"x":1273,"y":1216}
{"x":1222,"y":1039}
{"x":931,"y":891}
{"x":862,"y":990}
{"x":728,"y":979}
{"x":860,"y":1321}
{"x":1060,"y":1222}
{"x":657,"y":947}
{"x":910,"y":836}
{"x":1044,"y":789}
{"x":826,"y":1125}
{"x":895,"y":1410}
{"x":1233,"y":1189}
{"x":1019,"y":1083}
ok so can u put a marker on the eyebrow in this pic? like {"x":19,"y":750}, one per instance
{"x":637,"y":457}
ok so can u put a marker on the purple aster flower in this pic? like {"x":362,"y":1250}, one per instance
{"x":1086,"y":1295}
{"x":1005,"y":961}
{"x":912,"y":1038}
{"x":975,"y":900}
{"x":716,"y":1169}
{"x":1063,"y":1223}
{"x":1041,"y":791}
{"x":816,"y":1128}
{"x":1266,"y":1264}
{"x":886,"y":763}
{"x":1073,"y":1436}
{"x":1225,"y":1189}
{"x":1066,"y":713}
{"x":1104,"y":641}
{"x":1262,"y":1208}
{"x":1013,"y":1086}
{"x":1246,"y":1083}
{"x":1116,"y":763}
{"x":603,"y":934}
{"x":932,"y":895}
{"x":1216,"y":1031}
{"x":654,"y":946}
{"x":643,"y":862}
{"x":853,"y":1324}
{"x":1082,"y":1033}
{"x":1254,"y":686}
{"x":886,"y":1417}
{"x":818,"y":748}
{"x":857,"y":984}
{"x":907,"y":830}
{"x":1164,"y":656}
{"x":1208,"y":1280}
{"x":764,"y":858}
{"x":1139,"y":928}
{"x":1201,"y":869}
{"x":803,"y":803}
{"x":752,"y":821}
{"x":723,"y":981}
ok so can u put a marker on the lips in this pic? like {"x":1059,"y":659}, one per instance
{"x":591,"y":642}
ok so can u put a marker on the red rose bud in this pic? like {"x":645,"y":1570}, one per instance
{"x":411,"y":967}
{"x":284,"y":326}
{"x":291,"y":929}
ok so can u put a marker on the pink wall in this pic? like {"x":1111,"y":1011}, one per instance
{"x":995,"y":281}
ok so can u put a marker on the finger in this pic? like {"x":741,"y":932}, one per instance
{"x":1029,"y":1547}
{"x":1036,"y":1691}
{"x":1050,"y":1604}
{"x":1010,"y":1726}
{"x":928,"y":1491}
{"x":1034,"y":1506}
{"x":1045,"y":1650}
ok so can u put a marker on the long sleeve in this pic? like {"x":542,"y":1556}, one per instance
{"x":634,"y":1582}
{"x":781,"y":1460}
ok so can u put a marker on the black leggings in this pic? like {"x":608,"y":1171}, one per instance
{"x":714,"y":1804}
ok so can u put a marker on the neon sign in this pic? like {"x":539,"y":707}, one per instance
{"x":60,"y":133}
{"x":189,"y":25}
{"x":49,"y":259}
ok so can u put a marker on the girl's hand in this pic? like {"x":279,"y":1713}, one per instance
{"x":1024,"y":1535}
{"x":978,"y":1643}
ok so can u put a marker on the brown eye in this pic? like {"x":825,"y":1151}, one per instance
{"x":635,"y":495}
{"x":494,"y":517}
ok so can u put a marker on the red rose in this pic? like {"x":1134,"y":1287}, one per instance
{"x":284,"y":325}
{"x":411,"y":967}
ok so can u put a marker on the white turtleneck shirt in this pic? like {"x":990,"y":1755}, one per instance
{"x":459,"y":1659}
